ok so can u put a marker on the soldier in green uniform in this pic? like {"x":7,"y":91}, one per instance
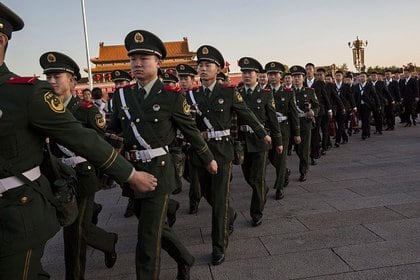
{"x":61,"y":71}
{"x":186,"y":80}
{"x":308,"y":107}
{"x":122,"y":79}
{"x":214,"y":104}
{"x":169,"y":79}
{"x":30,"y":111}
{"x":148,"y":117}
{"x":261,"y":103}
{"x":288,"y":119}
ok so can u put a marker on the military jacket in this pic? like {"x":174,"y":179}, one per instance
{"x":261,"y":103}
{"x":285,"y":101}
{"x":306,"y":96}
{"x":29,"y":112}
{"x":219,"y":109}
{"x":157,"y":118}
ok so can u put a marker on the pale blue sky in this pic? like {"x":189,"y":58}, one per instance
{"x":292,"y":32}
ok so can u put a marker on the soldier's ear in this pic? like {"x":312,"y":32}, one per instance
{"x":3,"y":41}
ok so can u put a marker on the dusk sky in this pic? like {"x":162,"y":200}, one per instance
{"x":291,"y":32}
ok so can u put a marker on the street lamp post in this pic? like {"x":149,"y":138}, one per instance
{"x":358,"y":46}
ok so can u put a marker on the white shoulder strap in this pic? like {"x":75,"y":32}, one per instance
{"x":194,"y":103}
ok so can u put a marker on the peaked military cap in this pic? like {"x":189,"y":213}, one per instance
{"x":144,"y":42}
{"x":55,"y":62}
{"x":274,"y":66}
{"x":9,"y":21}
{"x":249,"y":64}
{"x":297,"y":70}
{"x":169,"y":78}
{"x":120,"y":75}
{"x":185,"y":70}
{"x":221,"y":76}
{"x":209,"y":53}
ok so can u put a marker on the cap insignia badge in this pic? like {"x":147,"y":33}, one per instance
{"x":205,"y":50}
{"x":51,"y":58}
{"x":138,"y":38}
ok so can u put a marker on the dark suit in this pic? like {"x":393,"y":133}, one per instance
{"x":410,"y":91}
{"x":384,"y":98}
{"x":394,"y":91}
{"x":366,"y":101}
{"x":341,"y":104}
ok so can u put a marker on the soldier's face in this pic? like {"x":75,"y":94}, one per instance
{"x":298,"y":80}
{"x":274,"y":78}
{"x":61,"y":83}
{"x":310,"y":71}
{"x":288,"y":80}
{"x":362,"y":78}
{"x":338,"y":77}
{"x":207,"y":70}
{"x":374,"y":77}
{"x":263,"y":78}
{"x":249,"y":77}
{"x":144,"y":66}
{"x":388,"y":75}
{"x":186,"y":82}
{"x":121,"y":84}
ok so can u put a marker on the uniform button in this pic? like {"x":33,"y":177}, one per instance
{"x":134,"y":147}
{"x":89,"y":167}
{"x":123,"y":118}
{"x":258,"y":107}
{"x":156,"y":120}
{"x":221,"y":110}
{"x":162,"y":163}
{"x":1,"y":195}
{"x":24,"y":199}
{"x":137,"y":120}
{"x":227,"y":139}
{"x":208,"y":111}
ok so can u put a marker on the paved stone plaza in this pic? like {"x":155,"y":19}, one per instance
{"x":357,"y":217}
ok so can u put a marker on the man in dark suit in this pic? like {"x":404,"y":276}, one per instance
{"x":394,"y":91}
{"x":409,"y":96}
{"x":366,"y":101}
{"x":384,"y":99}
{"x":321,"y":120}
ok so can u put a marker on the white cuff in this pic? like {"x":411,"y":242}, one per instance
{"x":131,"y":175}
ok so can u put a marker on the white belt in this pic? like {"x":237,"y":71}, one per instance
{"x":302,"y":115}
{"x":145,"y":155}
{"x":14,"y":182}
{"x":217,"y":135}
{"x":246,"y":128}
{"x":73,"y":161}
{"x":281,"y":118}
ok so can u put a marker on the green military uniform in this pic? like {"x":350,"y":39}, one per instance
{"x":304,"y":97}
{"x":288,"y":119}
{"x":261,"y":103}
{"x":195,"y":193}
{"x":216,"y":104}
{"x":156,"y":112}
{"x":30,"y":112}
{"x":82,"y":232}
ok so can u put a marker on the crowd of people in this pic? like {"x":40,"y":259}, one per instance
{"x":163,"y":127}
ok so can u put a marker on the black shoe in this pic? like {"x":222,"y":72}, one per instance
{"x":256,"y":221}
{"x":380,"y":132}
{"x":193,"y":208}
{"x":302,"y":177}
{"x":408,"y":124}
{"x":344,"y":142}
{"x":183,"y":272}
{"x":97,"y":209}
{"x":323,"y":152}
{"x":414,"y":122}
{"x":111,"y":257}
{"x":313,"y":162}
{"x":217,"y":259}
{"x":171,"y":217}
{"x":129,"y":211}
{"x":279,"y":194}
{"x":231,"y":227}
{"x":363,"y":137}
{"x":336,"y":145}
{"x":177,"y":190}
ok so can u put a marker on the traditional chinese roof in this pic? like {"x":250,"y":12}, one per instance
{"x":118,"y":53}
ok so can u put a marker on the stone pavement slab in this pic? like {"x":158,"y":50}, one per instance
{"x":397,"y":230}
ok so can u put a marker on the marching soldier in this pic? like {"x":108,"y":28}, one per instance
{"x":221,"y":78}
{"x":287,"y":116}
{"x":261,"y":103}
{"x":409,"y":96}
{"x":394,"y":90}
{"x":186,"y":80}
{"x":384,"y":98}
{"x":148,"y":116}
{"x":60,"y":71}
{"x":169,"y":79}
{"x":214,"y":104}
{"x":308,"y":108}
{"x":121,"y":79}
{"x":29,"y":112}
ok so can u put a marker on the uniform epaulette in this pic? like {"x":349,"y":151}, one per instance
{"x":288,"y":89}
{"x":86,"y":104}
{"x":22,"y":80}
{"x":173,"y":89}
{"x":267,"y":90}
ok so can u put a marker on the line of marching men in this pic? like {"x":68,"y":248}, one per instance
{"x":216,"y":125}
